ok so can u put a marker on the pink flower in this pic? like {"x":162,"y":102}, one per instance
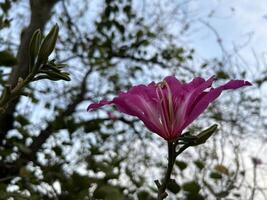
{"x":168,"y":107}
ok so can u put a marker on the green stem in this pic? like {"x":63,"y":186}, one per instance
{"x":172,"y":154}
{"x":15,"y":92}
{"x":171,"y":159}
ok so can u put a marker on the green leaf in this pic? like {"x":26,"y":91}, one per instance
{"x":23,"y":148}
{"x":215,"y":175}
{"x":53,"y":75}
{"x":222,"y":75}
{"x":71,"y":125}
{"x":22,"y":120}
{"x":204,"y":135}
{"x":35,"y":46}
{"x":222,"y":194}
{"x":57,"y":150}
{"x":200,"y":165}
{"x":5,"y":6}
{"x":127,"y":9}
{"x":204,"y":65}
{"x":92,"y":125}
{"x":195,"y":197}
{"x":237,"y":194}
{"x":107,"y":192}
{"x":191,"y":187}
{"x":48,"y":44}
{"x":182,"y":165}
{"x":7,"y":59}
{"x":82,"y":181}
{"x":173,"y":186}
{"x":120,"y":27}
{"x":143,"y":195}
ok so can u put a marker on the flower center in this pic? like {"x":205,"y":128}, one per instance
{"x":166,"y":105}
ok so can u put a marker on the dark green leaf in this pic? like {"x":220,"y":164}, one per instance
{"x":200,"y":165}
{"x":7,"y":59}
{"x":48,"y":44}
{"x":107,"y":192}
{"x":182,"y":165}
{"x":173,"y":186}
{"x":215,"y":175}
{"x":222,"y":75}
{"x":191,"y":187}
{"x":22,"y":120}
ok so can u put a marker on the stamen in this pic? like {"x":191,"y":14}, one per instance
{"x":166,"y":102}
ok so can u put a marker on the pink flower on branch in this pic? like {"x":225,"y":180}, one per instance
{"x":168,"y":107}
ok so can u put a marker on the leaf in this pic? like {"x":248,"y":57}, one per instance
{"x":237,"y":194}
{"x":144,"y":195}
{"x":35,"y":46}
{"x":204,"y":65}
{"x":82,"y":181}
{"x":191,"y":187}
{"x":5,"y":6}
{"x":22,"y":120}
{"x":222,"y":75}
{"x":173,"y":186}
{"x":92,"y":125}
{"x":181,"y":165}
{"x":107,"y":192}
{"x":7,"y":59}
{"x":23,"y":148}
{"x":127,"y":9}
{"x":222,"y":169}
{"x":71,"y":125}
{"x":57,"y":150}
{"x":48,"y":44}
{"x":204,"y":135}
{"x":195,"y":197}
{"x":23,"y":172}
{"x":222,"y":194}
{"x":215,"y":175}
{"x":53,"y":75}
{"x":200,"y":165}
{"x":120,"y":27}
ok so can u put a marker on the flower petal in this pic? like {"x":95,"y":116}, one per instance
{"x":182,"y":105}
{"x":140,"y":101}
{"x":208,"y":97}
{"x":94,"y":106}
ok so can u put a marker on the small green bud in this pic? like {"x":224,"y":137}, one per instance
{"x":204,"y":135}
{"x":48,"y":45}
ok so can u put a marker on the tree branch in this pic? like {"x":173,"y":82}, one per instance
{"x":40,"y":14}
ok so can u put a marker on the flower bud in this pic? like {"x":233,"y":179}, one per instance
{"x":204,"y":135}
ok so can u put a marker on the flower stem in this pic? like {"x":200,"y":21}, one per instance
{"x":171,"y":159}
{"x":172,"y":154}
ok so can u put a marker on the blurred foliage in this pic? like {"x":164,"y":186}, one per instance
{"x":57,"y":150}
{"x":4,"y":13}
{"x":7,"y":59}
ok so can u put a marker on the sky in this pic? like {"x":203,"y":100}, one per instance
{"x":239,"y":22}
{"x":235,"y":21}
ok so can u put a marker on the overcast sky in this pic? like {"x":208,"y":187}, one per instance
{"x":235,"y":21}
